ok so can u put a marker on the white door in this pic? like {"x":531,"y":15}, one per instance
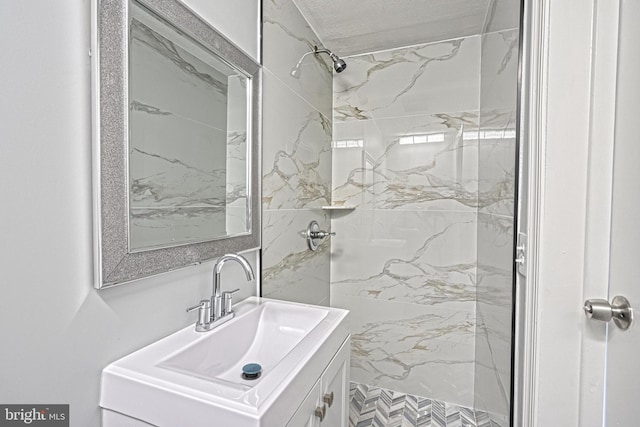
{"x":623,"y":351}
{"x":584,"y":236}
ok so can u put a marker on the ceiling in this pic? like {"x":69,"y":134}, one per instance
{"x":351,"y":27}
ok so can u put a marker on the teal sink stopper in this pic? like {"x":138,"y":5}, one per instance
{"x":251,"y":371}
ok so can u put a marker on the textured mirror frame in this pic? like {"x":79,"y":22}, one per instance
{"x":114,"y":262}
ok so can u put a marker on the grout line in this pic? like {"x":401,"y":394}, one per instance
{"x":409,"y":116}
{"x":414,"y":46}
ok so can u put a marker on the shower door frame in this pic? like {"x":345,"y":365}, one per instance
{"x":531,"y":98}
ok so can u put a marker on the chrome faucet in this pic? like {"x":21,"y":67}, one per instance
{"x":219,"y":309}
{"x":221,"y":301}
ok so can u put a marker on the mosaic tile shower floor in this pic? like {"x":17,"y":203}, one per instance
{"x":376,"y":407}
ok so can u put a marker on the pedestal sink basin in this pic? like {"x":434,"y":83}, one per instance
{"x":195,"y":378}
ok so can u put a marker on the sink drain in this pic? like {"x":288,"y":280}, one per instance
{"x":251,"y":371}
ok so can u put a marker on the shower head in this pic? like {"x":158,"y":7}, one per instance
{"x":295,"y":71}
{"x":338,"y":64}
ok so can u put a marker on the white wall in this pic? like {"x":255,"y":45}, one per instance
{"x":236,"y":19}
{"x":57,"y":332}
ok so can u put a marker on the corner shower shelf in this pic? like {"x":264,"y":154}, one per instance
{"x":338,"y":208}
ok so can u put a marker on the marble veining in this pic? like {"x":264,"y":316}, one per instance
{"x":296,"y":161}
{"x":398,"y":57}
{"x":493,"y":344}
{"x":388,"y":173}
{"x":501,"y":16}
{"x":297,"y":151}
{"x":282,"y":26}
{"x":290,"y":270}
{"x":409,"y":81}
{"x":511,"y":39}
{"x":161,"y":227}
{"x":293,"y":179}
{"x":293,"y":261}
{"x":496,"y":178}
{"x":404,"y":262}
{"x":288,"y":36}
{"x":422,"y":258}
{"x":284,"y":277}
{"x":430,"y":173}
{"x":141,"y":33}
{"x":391,"y":360}
{"x":237,"y":144}
{"x":415,"y":348}
{"x":496,"y":183}
{"x":158,"y":189}
{"x":494,"y":312}
{"x":236,"y":169}
{"x":149,"y":109}
{"x":178,"y":168}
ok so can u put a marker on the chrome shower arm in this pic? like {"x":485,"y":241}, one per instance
{"x":338,"y":64}
{"x":304,"y":56}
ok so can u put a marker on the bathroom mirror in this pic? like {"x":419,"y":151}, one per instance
{"x":176,"y":141}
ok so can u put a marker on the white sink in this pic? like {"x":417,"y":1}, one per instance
{"x":264,"y":335}
{"x":195,"y":378}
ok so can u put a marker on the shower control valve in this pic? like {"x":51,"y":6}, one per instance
{"x":321,"y":234}
{"x":315,"y":236}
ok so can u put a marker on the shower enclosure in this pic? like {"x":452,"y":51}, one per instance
{"x":409,"y":156}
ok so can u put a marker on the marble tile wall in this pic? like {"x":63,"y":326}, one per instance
{"x":296,"y":157}
{"x":496,"y":183}
{"x":405,"y":156}
{"x":420,"y":143}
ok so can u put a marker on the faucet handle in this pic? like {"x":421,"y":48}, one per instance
{"x":204,"y":312}
{"x":202,"y":304}
{"x":227,"y":300}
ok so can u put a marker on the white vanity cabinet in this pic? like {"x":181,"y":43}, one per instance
{"x":327,"y":404}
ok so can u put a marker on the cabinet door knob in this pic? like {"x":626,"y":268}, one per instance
{"x":320,"y":412}
{"x":328,"y":399}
